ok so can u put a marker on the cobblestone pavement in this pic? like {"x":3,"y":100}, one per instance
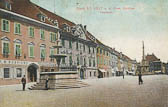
{"x":106,"y":92}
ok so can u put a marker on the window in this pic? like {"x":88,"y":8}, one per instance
{"x":5,"y":25}
{"x":6,"y":73}
{"x":104,"y":52}
{"x":77,"y":46}
{"x":84,"y":47}
{"x":97,"y":50}
{"x":5,"y":46}
{"x":94,"y":63}
{"x":90,"y":74}
{"x":42,"y":34}
{"x":70,"y":44}
{"x":63,"y":42}
{"x":93,"y":50}
{"x":52,"y":70}
{"x":84,"y":62}
{"x":100,"y":51}
{"x":63,"y":60}
{"x":77,"y":60}
{"x":42,"y":53}
{"x":17,"y":28}
{"x":51,"y":51}
{"x":90,"y":63}
{"x":70,"y":60}
{"x":7,"y":5}
{"x":89,"y":49}
{"x":31,"y":50}
{"x":53,"y":37}
{"x":17,"y":50}
{"x":42,"y":18}
{"x":31,"y":31}
{"x":18,"y":72}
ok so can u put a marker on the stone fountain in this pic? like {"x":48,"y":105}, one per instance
{"x":59,"y":79}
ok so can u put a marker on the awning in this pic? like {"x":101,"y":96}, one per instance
{"x":102,"y":70}
{"x":158,"y":71}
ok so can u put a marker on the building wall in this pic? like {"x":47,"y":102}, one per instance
{"x":90,"y":71}
{"x":12,"y":62}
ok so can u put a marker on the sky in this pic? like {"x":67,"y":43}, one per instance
{"x":120,"y":24}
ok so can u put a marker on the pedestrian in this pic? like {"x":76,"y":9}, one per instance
{"x":46,"y":84}
{"x":23,"y":80}
{"x":123,"y":75}
{"x":140,"y":78}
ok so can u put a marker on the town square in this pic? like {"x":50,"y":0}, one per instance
{"x":61,"y":53}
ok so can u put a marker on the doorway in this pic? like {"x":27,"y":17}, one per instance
{"x":32,"y":73}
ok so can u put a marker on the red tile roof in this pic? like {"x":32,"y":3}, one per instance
{"x":152,"y":57}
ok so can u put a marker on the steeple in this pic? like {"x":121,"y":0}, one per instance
{"x":143,"y":54}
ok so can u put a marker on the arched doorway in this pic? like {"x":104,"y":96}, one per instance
{"x":32,"y":72}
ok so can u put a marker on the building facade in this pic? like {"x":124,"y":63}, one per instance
{"x":80,"y":50}
{"x":27,"y":41}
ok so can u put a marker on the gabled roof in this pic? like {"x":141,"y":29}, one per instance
{"x":152,"y":57}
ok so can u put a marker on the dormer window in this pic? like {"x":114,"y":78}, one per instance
{"x":68,"y":29}
{"x":43,"y":18}
{"x":56,"y":23}
{"x":8,"y":5}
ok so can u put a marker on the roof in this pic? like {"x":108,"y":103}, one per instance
{"x":152,"y":57}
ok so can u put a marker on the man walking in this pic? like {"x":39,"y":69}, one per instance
{"x":23,"y":82}
{"x":140,"y":78}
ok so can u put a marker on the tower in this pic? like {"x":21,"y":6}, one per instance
{"x":143,"y":52}
{"x":143,"y":58}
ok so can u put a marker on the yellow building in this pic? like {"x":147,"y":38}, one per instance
{"x":103,"y":58}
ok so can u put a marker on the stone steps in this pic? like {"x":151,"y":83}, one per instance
{"x":59,"y":85}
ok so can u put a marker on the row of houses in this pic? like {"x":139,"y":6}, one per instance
{"x":28,"y":34}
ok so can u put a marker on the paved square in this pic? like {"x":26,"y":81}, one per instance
{"x":106,"y":92}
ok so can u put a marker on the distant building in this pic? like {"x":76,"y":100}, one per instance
{"x":166,"y":68}
{"x":155,"y":65}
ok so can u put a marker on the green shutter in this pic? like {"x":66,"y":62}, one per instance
{"x":31,"y":51}
{"x":7,"y":25}
{"x":52,"y":52}
{"x":42,"y":53}
{"x":19,"y":29}
{"x":6,"y":48}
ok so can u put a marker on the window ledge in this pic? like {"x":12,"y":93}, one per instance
{"x":5,"y":31}
{"x":19,"y":34}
